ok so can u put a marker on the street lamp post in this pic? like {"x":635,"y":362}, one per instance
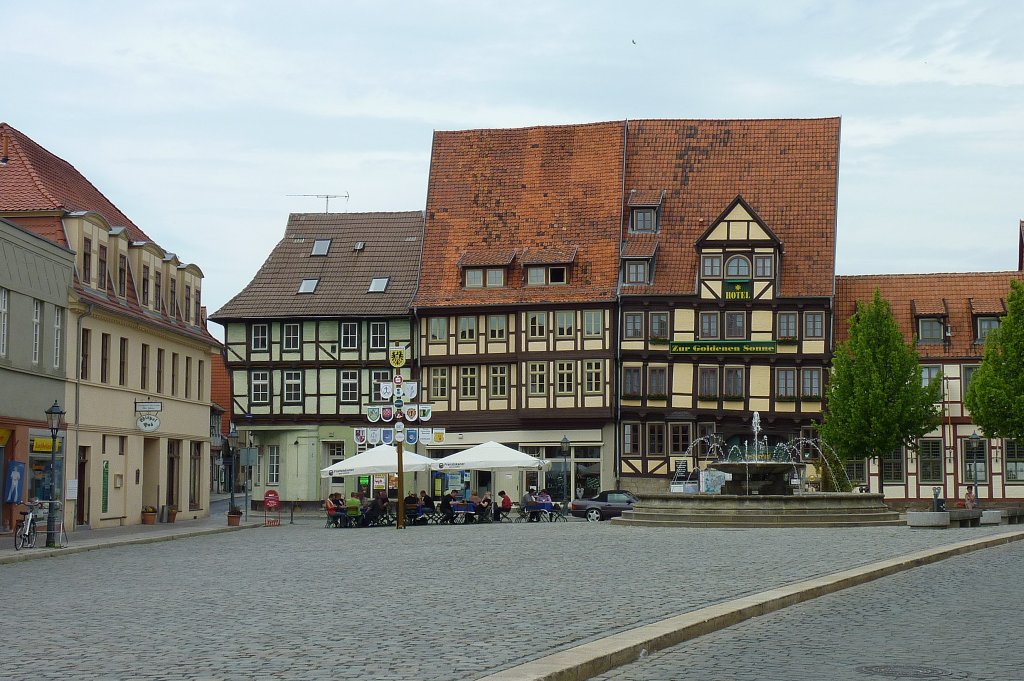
{"x":565,"y":467}
{"x":54,"y":418}
{"x":974,"y":453}
{"x":230,"y":462}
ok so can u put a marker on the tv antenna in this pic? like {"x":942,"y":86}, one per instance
{"x":327,"y":198}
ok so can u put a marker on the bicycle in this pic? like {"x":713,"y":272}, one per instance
{"x":25,"y":530}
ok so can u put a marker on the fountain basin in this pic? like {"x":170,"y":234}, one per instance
{"x":832,"y":509}
{"x":757,"y":477}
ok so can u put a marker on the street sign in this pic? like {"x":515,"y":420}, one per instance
{"x":397,"y":357}
{"x":271,"y":499}
{"x":398,"y":379}
{"x":149,"y":406}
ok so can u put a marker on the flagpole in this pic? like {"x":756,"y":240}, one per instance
{"x":400,"y":524}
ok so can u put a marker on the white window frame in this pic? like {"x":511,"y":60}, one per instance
{"x":469,"y":383}
{"x":274,"y":465}
{"x":538,"y":379}
{"x":37,"y":328}
{"x":348,"y":386}
{"x":565,"y":323}
{"x":467,"y":328}
{"x":308,"y":285}
{"x":349,"y":336}
{"x":711,"y":266}
{"x":633,"y":325}
{"x":644,"y":220}
{"x":321,"y":247}
{"x":814,"y":390}
{"x":636,"y":273}
{"x":984,"y":326}
{"x":737,"y":267}
{"x":378,"y":284}
{"x":494,"y":277}
{"x":4,"y":317}
{"x":378,"y":335}
{"x":292,"y":392}
{"x":537,"y":324}
{"x":593,"y":323}
{"x":497,"y":382}
{"x":474,"y":278}
{"x":259,"y":386}
{"x":497,"y":327}
{"x":289,"y":333}
{"x":378,"y":376}
{"x":437,"y":329}
{"x":536,"y":276}
{"x":58,"y":328}
{"x":259,"y":338}
{"x":565,"y":378}
{"x":438,"y":383}
{"x":594,"y":373}
{"x":764,"y":266}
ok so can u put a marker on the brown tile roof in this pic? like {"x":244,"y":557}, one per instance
{"x":988,"y":306}
{"x":484,"y":258}
{"x":649,"y":197}
{"x":902,"y":289}
{"x":534,"y":189}
{"x":926,"y":305}
{"x":640,"y":246}
{"x":35,"y":179}
{"x":549,"y":256}
{"x":787,"y":170}
{"x":391,"y":248}
{"x":220,"y":389}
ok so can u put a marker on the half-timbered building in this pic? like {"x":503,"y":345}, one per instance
{"x":947,"y":317}
{"x":517,"y":297}
{"x":726,"y":271}
{"x":307,"y":341}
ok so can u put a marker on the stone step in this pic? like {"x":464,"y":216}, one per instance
{"x":773,"y":518}
{"x":785,"y":512}
{"x":754,"y":523}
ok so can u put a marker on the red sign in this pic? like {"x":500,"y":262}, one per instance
{"x":271,"y":499}
{"x":397,"y":379}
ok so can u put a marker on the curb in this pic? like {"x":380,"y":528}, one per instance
{"x":596,"y":657}
{"x":33,"y":554}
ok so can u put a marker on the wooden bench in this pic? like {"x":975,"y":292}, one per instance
{"x":957,"y":517}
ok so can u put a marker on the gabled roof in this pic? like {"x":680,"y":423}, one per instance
{"x":35,"y":179}
{"x":535,"y":190}
{"x":391,"y":248}
{"x":906,"y":293}
{"x":785,"y":170}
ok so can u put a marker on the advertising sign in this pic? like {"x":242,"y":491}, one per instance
{"x":271,"y":500}
{"x":745,"y":347}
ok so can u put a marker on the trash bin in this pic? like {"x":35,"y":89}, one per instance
{"x":163,"y":514}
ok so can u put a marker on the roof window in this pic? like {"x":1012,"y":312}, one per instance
{"x":360,"y":245}
{"x":308,"y":285}
{"x":321,"y":246}
{"x":378,"y":284}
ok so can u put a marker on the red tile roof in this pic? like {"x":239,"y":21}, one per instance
{"x":483,"y":258}
{"x":549,"y":256}
{"x":786,"y":170}
{"x":901,"y":290}
{"x":640,"y":246}
{"x":391,"y":249}
{"x":534,"y":189}
{"x":220,"y":389}
{"x":35,"y":179}
{"x":650,"y":197}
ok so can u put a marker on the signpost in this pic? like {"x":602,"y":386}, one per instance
{"x":271,"y":502}
{"x":397,"y":359}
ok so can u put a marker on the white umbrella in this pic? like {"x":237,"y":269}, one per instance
{"x":382,"y":459}
{"x":489,"y":456}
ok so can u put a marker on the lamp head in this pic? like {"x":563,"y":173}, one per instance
{"x":565,"y":446}
{"x":55,"y":417}
{"x":233,"y":436}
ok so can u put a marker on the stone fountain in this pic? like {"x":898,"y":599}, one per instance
{"x":762,"y":493}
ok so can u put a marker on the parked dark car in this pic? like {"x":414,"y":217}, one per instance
{"x":607,"y":504}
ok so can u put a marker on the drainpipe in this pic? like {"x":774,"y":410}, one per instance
{"x":78,"y":392}
{"x":618,"y":320}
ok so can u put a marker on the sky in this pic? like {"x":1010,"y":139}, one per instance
{"x":199,"y":120}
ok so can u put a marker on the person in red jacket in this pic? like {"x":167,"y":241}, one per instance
{"x":504,"y":507}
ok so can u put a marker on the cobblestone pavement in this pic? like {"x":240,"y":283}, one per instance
{"x":950,"y":620}
{"x":431,"y":602}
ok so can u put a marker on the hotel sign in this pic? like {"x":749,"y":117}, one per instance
{"x":738,"y":290}
{"x":722,"y":347}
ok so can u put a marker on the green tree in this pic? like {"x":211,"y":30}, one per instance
{"x":995,"y":396}
{"x":876,"y":401}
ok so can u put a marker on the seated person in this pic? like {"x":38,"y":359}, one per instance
{"x":427,"y":502}
{"x":374,"y":512}
{"x":483,"y":509}
{"x":411,"y":504}
{"x":334,"y":513}
{"x":543,"y":497}
{"x":504,"y":507}
{"x":446,"y":506}
{"x":352,"y":510}
{"x":529,"y":501}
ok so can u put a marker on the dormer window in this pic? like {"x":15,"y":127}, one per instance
{"x":321,"y":247}
{"x":930,"y":329}
{"x":378,"y":284}
{"x":737,"y":267}
{"x":636,"y":272}
{"x":555,"y":275}
{"x":984,"y":325}
{"x":491,"y":277}
{"x":308,"y":285}
{"x":645,"y":220}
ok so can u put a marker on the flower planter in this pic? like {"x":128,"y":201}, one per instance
{"x":149,"y":518}
{"x":171,"y":515}
{"x":234,"y":520}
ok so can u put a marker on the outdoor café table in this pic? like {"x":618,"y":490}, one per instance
{"x":461,"y":510}
{"x":546,"y":507}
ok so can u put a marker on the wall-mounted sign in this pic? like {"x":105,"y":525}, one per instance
{"x":722,"y":347}
{"x":148,"y":423}
{"x":397,"y":357}
{"x":149,"y":406}
{"x":45,"y":444}
{"x":738,"y":290}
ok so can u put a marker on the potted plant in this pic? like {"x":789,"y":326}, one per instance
{"x":234,"y":516}
{"x":172,"y":513}
{"x":149,"y":515}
